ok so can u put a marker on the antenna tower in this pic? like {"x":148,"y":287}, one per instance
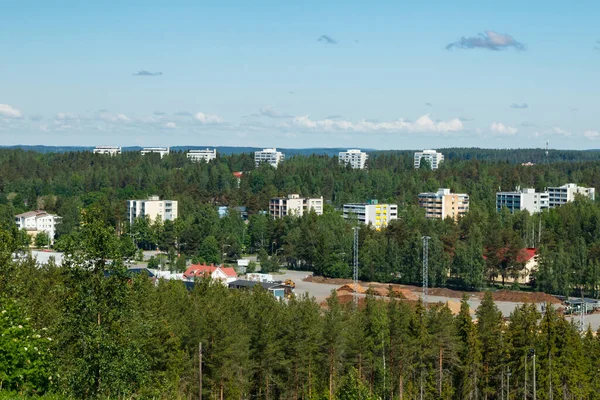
{"x":425,"y":268}
{"x":355,"y":272}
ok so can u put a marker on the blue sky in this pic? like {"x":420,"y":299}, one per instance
{"x":378,"y":74}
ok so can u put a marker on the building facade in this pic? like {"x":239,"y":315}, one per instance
{"x":566,"y":193}
{"x":294,"y":205}
{"x":202,"y":155}
{"x":355,"y":158}
{"x":434,"y":158}
{"x":269,"y":156}
{"x":110,"y":150}
{"x":371,"y":213}
{"x":525,"y":199}
{"x":162,"y":151}
{"x":151,"y":209}
{"x":38,"y":221}
{"x":443,"y":204}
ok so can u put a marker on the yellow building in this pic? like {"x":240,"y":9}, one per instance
{"x":443,"y":204}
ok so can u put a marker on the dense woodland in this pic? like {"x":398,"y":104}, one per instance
{"x":481,"y":247}
{"x":89,"y":330}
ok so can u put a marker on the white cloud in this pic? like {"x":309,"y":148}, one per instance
{"x":559,"y":131}
{"x":273,"y":113}
{"x":592,"y":135}
{"x":9,"y":112}
{"x":114,"y":118}
{"x":170,"y":125}
{"x":208,"y":118}
{"x":498,"y":127}
{"x":66,"y":116}
{"x":422,"y":124}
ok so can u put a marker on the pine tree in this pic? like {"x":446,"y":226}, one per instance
{"x":489,"y":329}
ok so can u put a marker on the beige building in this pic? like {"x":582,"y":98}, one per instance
{"x":38,"y":221}
{"x":151,"y":209}
{"x":294,"y":205}
{"x":443,"y":204}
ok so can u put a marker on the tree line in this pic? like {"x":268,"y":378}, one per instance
{"x":88,"y":329}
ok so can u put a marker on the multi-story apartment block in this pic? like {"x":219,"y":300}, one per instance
{"x":443,"y":204}
{"x":525,"y":199}
{"x":356,"y":158}
{"x":434,"y":158}
{"x":371,"y":212}
{"x":566,"y":193}
{"x":270,"y":156}
{"x":38,"y":221}
{"x":202,"y":155}
{"x":110,"y":150}
{"x":163,"y":151}
{"x":151,"y":209}
{"x":294,"y":205}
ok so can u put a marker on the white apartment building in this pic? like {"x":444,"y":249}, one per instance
{"x":163,"y":151}
{"x":294,"y":205}
{"x":356,"y":158}
{"x":110,"y":150}
{"x":151,"y":209}
{"x":202,"y":155}
{"x":525,"y":199}
{"x":371,"y":213}
{"x":443,"y":204}
{"x":434,"y":158}
{"x":270,"y":156}
{"x":566,"y":193}
{"x":38,"y":221}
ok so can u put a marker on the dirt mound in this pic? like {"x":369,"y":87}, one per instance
{"x":330,"y":281}
{"x":524,"y":297}
{"x":351,"y":289}
{"x":444,"y":292}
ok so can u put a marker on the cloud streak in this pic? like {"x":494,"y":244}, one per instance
{"x":519,"y":106}
{"x":488,"y":40}
{"x":326,"y":39}
{"x":143,"y":72}
{"x":273,"y":113}
{"x":423,"y":124}
{"x":208,"y":119}
{"x":7,"y":111}
{"x":500,"y":128}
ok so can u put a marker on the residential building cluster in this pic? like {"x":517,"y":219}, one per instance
{"x":371,"y":213}
{"x":535,"y":202}
{"x":110,"y":150}
{"x":269,"y":156}
{"x":443,"y":204}
{"x":294,"y":205}
{"x":162,"y":151}
{"x":355,"y":158}
{"x":433,"y":157}
{"x":152,"y":209}
{"x":35,"y":222}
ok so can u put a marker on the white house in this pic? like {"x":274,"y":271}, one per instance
{"x":435,"y":158}
{"x":356,"y":158}
{"x":38,"y":221}
{"x":269,"y":156}
{"x":162,"y":151}
{"x":222,"y":274}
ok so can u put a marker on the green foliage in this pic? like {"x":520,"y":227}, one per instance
{"x":42,"y":240}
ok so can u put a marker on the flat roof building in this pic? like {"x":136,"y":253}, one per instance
{"x":523,"y":199}
{"x":443,"y":204}
{"x":566,"y":193}
{"x":151,"y":209}
{"x":371,"y":213}
{"x":110,"y":150}
{"x":38,"y":221}
{"x":294,"y":205}
{"x":435,"y":158}
{"x":202,"y":155}
{"x":269,"y":156}
{"x":355,"y":158}
{"x":163,"y":151}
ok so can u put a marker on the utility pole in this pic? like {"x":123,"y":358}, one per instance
{"x":425,"y":268}
{"x":200,"y":370}
{"x":534,"y":385}
{"x":508,"y":385}
{"x":355,"y":272}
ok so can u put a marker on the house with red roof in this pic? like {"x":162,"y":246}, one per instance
{"x":528,"y":258}
{"x":222,"y":274}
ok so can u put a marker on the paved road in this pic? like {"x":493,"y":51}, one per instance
{"x":320,"y":291}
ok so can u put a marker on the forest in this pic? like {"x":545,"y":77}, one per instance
{"x":88,"y":330}
{"x":481,"y":248}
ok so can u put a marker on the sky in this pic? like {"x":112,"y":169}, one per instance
{"x":312,"y":73}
